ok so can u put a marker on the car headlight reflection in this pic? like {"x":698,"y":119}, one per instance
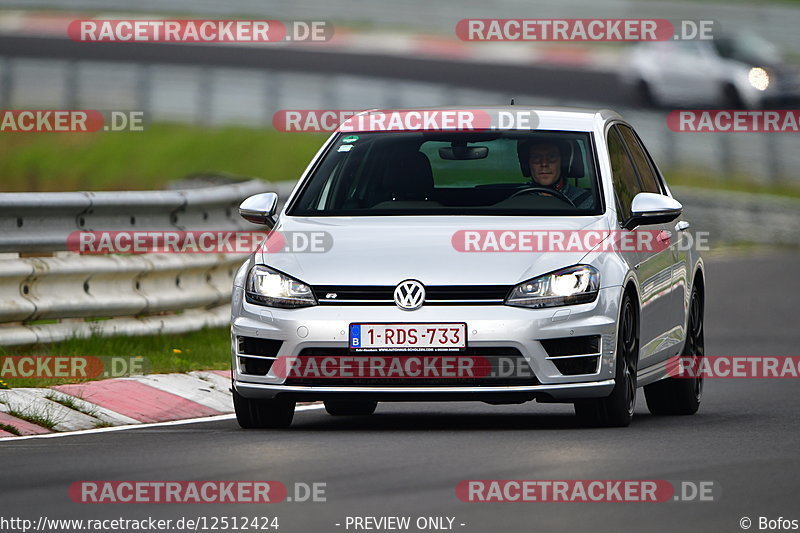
{"x":573,"y":285}
{"x":269,"y":287}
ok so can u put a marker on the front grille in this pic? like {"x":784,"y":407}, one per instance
{"x":498,"y":366}
{"x":434,"y":295}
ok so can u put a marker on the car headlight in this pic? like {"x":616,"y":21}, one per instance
{"x":758,"y":78}
{"x":269,"y":287}
{"x":574,"y":285}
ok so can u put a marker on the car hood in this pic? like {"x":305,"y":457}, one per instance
{"x":387,"y":250}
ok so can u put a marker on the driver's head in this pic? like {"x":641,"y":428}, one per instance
{"x":544,"y":159}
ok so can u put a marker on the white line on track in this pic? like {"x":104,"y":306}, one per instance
{"x":214,"y":418}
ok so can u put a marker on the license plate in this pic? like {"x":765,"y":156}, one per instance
{"x":408,"y":337}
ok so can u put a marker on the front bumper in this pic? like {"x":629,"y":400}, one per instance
{"x":488,"y":327}
{"x":511,"y":394}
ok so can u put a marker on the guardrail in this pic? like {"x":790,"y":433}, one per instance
{"x":211,"y":95}
{"x":777,"y":20}
{"x":735,"y":218}
{"x":41,"y":222}
{"x":48,"y":294}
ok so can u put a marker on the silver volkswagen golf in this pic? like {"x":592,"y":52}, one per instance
{"x":499,"y":264}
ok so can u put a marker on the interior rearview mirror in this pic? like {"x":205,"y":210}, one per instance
{"x":651,"y":208}
{"x":259,"y":208}
{"x":463,"y":152}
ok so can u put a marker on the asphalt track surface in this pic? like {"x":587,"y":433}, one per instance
{"x":407,"y":459}
{"x":567,"y":84}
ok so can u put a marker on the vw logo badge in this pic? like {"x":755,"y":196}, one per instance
{"x":409,"y":295}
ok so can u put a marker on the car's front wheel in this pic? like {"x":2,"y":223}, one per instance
{"x":643,"y":94}
{"x":616,"y":410}
{"x":350,"y":408}
{"x":682,"y":395}
{"x":252,"y":414}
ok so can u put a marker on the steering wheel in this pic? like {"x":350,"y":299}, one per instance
{"x":543,"y":190}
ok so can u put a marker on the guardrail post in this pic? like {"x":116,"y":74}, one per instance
{"x":390,"y":97}
{"x":71,"y":86}
{"x":670,"y":148}
{"x":205,"y":96}
{"x":6,"y":82}
{"x":773,"y":156}
{"x":272,"y":96}
{"x":330,"y":96}
{"x":727,"y":163}
{"x":144,"y":83}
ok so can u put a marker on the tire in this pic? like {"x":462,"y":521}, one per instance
{"x":643,"y":95}
{"x":259,"y":414}
{"x":616,"y":410}
{"x":350,"y":408}
{"x":681,"y":396}
{"x":731,"y":99}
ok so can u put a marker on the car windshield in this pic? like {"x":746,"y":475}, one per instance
{"x":748,"y":48}
{"x":547,"y":173}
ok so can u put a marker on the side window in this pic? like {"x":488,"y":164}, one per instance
{"x":626,"y":184}
{"x":643,"y":163}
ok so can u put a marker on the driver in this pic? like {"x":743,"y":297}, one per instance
{"x":544,"y":160}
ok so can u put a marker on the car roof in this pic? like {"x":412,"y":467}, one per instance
{"x":546,"y":117}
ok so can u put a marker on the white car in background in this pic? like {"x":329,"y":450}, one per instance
{"x":734,"y":71}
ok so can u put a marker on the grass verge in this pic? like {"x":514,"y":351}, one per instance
{"x":167,"y":152}
{"x":70,"y":403}
{"x":10,"y":429}
{"x":705,"y":181}
{"x":207,"y":349}
{"x":43,"y":417}
{"x":149,"y":159}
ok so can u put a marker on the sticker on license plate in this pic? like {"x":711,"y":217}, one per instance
{"x":408,"y":337}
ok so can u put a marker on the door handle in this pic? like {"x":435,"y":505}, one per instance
{"x":682,"y":226}
{"x":664,"y":236}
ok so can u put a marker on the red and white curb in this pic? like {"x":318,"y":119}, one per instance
{"x":107,"y":404}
